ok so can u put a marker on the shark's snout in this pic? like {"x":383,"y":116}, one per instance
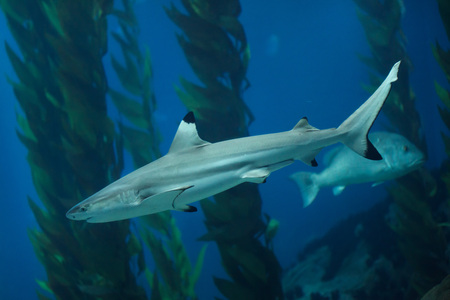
{"x":78,"y":212}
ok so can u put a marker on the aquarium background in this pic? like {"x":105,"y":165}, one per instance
{"x":303,"y":63}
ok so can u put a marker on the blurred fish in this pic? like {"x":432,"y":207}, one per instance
{"x":400,"y":157}
{"x":195,"y":169}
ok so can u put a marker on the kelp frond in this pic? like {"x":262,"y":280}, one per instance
{"x":70,"y":139}
{"x":173,"y":277}
{"x":419,"y":238}
{"x":215,"y":45}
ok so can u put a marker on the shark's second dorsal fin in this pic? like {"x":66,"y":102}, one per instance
{"x":303,"y":125}
{"x":187,"y":135}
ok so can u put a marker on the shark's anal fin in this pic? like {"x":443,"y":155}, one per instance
{"x":260,"y":175}
{"x":310,"y":159}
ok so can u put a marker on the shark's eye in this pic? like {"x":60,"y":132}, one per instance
{"x":83,"y":209}
{"x":405,"y":148}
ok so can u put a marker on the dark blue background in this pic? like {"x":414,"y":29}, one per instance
{"x":303,"y":63}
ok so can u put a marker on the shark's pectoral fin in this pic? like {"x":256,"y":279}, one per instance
{"x":185,"y":208}
{"x":162,"y":201}
{"x":259,"y":175}
{"x":176,"y":205}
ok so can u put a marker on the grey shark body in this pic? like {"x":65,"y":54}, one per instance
{"x":194,"y":169}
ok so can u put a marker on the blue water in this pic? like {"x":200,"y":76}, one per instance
{"x":303,"y":64}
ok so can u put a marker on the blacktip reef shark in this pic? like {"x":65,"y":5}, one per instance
{"x":194,"y":169}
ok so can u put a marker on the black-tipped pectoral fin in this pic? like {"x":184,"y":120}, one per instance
{"x":186,"y":208}
{"x":176,"y":205}
{"x":162,"y":201}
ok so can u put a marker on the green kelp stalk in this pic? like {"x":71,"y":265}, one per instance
{"x":381,"y":21}
{"x":215,"y":46}
{"x":174,"y":277}
{"x":420,"y":239}
{"x":138,"y":104}
{"x":61,"y":90}
{"x":443,"y":58}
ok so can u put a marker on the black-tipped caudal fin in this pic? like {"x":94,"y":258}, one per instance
{"x":355,"y":129}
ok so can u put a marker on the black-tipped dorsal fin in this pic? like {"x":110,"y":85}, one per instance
{"x":303,"y":125}
{"x":187,"y":135}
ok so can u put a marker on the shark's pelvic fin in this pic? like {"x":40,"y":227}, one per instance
{"x":187,"y":135}
{"x":355,"y":128}
{"x":260,"y":175}
{"x":256,"y":175}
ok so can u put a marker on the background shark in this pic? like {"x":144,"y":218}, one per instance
{"x":400,"y":157}
{"x":194,"y":169}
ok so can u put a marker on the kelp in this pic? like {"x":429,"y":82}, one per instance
{"x":61,"y":88}
{"x":215,"y":45}
{"x":420,"y":239}
{"x":443,"y":58}
{"x":381,"y":21}
{"x":174,"y":277}
{"x":138,"y":103}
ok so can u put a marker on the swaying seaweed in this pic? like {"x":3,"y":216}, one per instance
{"x":420,"y":239}
{"x":215,"y":46}
{"x":442,"y":290}
{"x":61,"y":90}
{"x":381,"y":21}
{"x":173,"y":277}
{"x":398,"y":248}
{"x":138,"y":105}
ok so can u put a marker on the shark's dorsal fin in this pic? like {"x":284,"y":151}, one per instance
{"x":303,"y":125}
{"x":187,"y":135}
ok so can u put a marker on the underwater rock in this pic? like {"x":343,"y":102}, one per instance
{"x":357,"y":259}
{"x":360,"y":274}
{"x":440,"y":291}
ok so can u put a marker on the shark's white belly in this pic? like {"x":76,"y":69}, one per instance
{"x":206,"y":176}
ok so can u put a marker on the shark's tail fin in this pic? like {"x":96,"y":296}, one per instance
{"x":354,"y":130}
{"x":308,"y":186}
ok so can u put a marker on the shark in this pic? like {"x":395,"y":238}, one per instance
{"x":194,"y":169}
